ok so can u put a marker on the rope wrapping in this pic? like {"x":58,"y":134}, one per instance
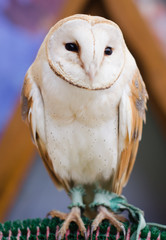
{"x":47,"y":229}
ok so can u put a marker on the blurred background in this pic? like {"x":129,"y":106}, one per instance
{"x":26,"y":190}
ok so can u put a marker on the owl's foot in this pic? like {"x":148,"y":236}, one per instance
{"x":114,"y":219}
{"x":73,"y":216}
{"x":58,"y":214}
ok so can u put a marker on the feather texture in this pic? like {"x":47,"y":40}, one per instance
{"x":131,"y":116}
{"x":33,"y":113}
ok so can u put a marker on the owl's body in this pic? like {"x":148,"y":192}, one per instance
{"x":85,"y":102}
{"x":95,"y":155}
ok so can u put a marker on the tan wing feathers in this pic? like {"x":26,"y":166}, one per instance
{"x":138,"y":101}
{"x":26,"y":100}
{"x":27,"y":110}
{"x":59,"y":183}
{"x":27,"y":103}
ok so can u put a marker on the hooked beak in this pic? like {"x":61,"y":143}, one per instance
{"x":91,"y":72}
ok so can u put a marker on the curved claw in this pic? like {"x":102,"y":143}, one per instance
{"x":48,"y":214}
{"x":59,"y":237}
{"x":92,"y":230}
{"x":85,"y":235}
{"x":123,"y":230}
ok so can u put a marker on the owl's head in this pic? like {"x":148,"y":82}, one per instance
{"x":86,"y":51}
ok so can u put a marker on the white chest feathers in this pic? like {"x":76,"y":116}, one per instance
{"x":82,"y":137}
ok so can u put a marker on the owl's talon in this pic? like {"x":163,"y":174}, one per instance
{"x":85,"y":235}
{"x":72,"y":216}
{"x":104,"y":213}
{"x":92,"y":230}
{"x":123,"y":230}
{"x":59,"y":237}
{"x":57,"y":214}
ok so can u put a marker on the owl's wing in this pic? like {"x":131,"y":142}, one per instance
{"x":131,"y":116}
{"x":33,"y":114}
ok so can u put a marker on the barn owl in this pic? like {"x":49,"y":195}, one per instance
{"x":84,"y":100}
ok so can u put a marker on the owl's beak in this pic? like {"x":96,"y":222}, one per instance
{"x":91,"y":72}
{"x":91,"y":76}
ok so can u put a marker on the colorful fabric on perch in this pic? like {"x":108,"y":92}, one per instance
{"x":47,"y":229}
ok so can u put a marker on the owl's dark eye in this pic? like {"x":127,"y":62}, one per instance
{"x":108,"y":51}
{"x":71,"y":47}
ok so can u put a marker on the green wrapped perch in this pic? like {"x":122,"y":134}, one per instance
{"x":41,"y":229}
